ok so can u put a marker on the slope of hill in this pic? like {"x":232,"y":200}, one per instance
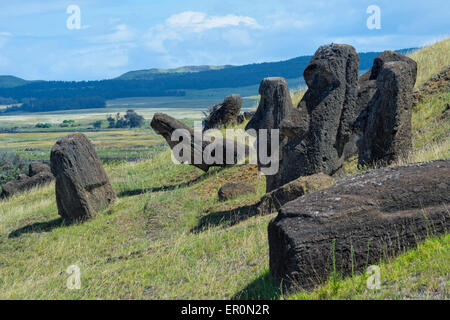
{"x":153,"y":73}
{"x":11,"y":81}
{"x":177,"y":248}
{"x":239,"y":76}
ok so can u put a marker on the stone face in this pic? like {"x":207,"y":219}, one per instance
{"x":274,"y":106}
{"x":234,"y":189}
{"x":224,"y":113}
{"x":386,"y":133}
{"x":273,"y":201}
{"x":166,"y":126}
{"x":39,"y":175}
{"x":82,"y":186}
{"x":321,"y":126}
{"x":371,"y":96}
{"x":365,"y":218}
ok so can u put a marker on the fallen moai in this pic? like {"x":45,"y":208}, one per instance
{"x":357,"y":222}
{"x":39,"y":174}
{"x":198,"y":149}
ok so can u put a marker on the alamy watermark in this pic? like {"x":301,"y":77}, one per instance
{"x":74,"y":280}
{"x":73,"y":22}
{"x":374,"y":20}
{"x":374,"y":280}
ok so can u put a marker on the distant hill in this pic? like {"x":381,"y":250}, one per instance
{"x":155,"y":82}
{"x":11,"y":81}
{"x":153,"y":73}
{"x":209,"y":77}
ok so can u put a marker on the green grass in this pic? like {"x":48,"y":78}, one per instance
{"x":128,"y":253}
{"x":181,"y":247}
{"x":115,"y":143}
{"x":421,"y":273}
{"x":431,"y":60}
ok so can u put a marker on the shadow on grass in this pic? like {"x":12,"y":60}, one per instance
{"x":40,"y":227}
{"x":226,"y":218}
{"x":262,"y":288}
{"x":200,"y":178}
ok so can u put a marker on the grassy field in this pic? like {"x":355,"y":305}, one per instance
{"x":190,"y":106}
{"x":167,"y":235}
{"x":123,"y":144}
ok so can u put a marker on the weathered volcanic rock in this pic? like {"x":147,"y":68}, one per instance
{"x":365,"y":218}
{"x":37,"y":167}
{"x":275,"y":199}
{"x":224,"y":113}
{"x":370,"y":95}
{"x":274,"y":106}
{"x":367,"y":82}
{"x":234,"y":189}
{"x":386,"y":133}
{"x":166,"y":126}
{"x":82,"y":186}
{"x":39,"y":175}
{"x":322,"y":124}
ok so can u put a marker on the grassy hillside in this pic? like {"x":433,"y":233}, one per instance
{"x":432,"y":59}
{"x":431,"y":117}
{"x":181,"y":246}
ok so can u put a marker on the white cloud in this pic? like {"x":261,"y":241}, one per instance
{"x":188,"y":24}
{"x":106,"y":59}
{"x":200,"y":21}
{"x":122,"y":33}
{"x":155,"y":38}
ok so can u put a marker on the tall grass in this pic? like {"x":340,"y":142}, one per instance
{"x":431,"y":60}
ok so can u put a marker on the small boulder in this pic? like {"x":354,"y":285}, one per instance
{"x":275,"y":199}
{"x":234,"y":189}
{"x":82,"y":186}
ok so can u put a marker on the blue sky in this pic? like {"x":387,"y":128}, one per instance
{"x":118,"y":36}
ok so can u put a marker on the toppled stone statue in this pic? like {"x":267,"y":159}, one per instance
{"x":39,"y":174}
{"x":198,"y":149}
{"x":225,"y":113}
{"x":357,"y":222}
